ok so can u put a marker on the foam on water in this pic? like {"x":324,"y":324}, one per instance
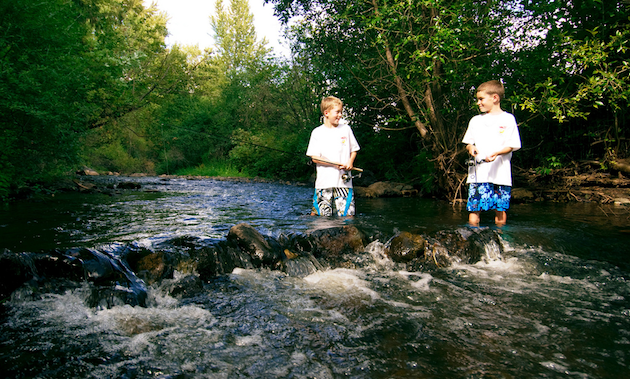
{"x":342,"y":281}
{"x":422,"y":284}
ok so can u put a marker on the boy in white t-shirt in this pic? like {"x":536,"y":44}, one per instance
{"x":333,"y":141}
{"x":490,"y":139}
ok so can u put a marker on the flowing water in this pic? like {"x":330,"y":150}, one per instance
{"x":555,"y":304}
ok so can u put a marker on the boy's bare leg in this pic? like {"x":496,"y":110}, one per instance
{"x":474,"y":218}
{"x":500,"y":218}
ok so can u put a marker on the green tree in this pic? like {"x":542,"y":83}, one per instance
{"x":409,"y":68}
{"x":68,"y":66}
{"x":584,"y":87}
{"x":235,"y":36}
{"x":143,"y":138}
{"x":246,"y":112}
{"x":42,"y":88}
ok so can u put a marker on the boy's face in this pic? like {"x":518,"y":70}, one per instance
{"x":334,"y":115}
{"x":485,"y":101}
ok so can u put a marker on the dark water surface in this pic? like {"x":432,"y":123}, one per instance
{"x":555,"y":305}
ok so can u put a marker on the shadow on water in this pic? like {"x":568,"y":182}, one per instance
{"x":554,"y":305}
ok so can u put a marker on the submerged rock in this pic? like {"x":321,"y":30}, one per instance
{"x":301,"y":266}
{"x":335,"y":241}
{"x":129,"y":185}
{"x":444,"y":248}
{"x":188,"y":286}
{"x":386,"y":189}
{"x":220,"y":259}
{"x":15,"y":269}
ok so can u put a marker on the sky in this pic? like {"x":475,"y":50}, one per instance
{"x":189,"y":22}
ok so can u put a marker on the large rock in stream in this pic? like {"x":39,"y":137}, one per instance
{"x":465,"y":246}
{"x":109,"y":280}
{"x":118,"y":274}
{"x":250,"y":241}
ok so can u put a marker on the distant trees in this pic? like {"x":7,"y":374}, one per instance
{"x":237,"y":47}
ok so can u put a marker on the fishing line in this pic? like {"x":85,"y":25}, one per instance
{"x":229,"y":139}
{"x":346,"y":177}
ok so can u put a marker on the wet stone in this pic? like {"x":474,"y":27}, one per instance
{"x":406,"y":246}
{"x":254,"y":243}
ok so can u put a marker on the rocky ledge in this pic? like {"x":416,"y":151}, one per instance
{"x":122,"y":274}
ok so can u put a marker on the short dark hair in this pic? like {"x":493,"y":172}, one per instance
{"x":492,"y":87}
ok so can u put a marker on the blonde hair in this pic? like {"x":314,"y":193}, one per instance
{"x":329,"y":102}
{"x":492,"y":87}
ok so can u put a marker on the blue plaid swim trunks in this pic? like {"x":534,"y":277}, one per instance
{"x":488,"y":196}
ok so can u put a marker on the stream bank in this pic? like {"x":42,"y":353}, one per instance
{"x":583,"y":182}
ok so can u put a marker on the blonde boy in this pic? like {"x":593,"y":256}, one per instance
{"x":491,"y":138}
{"x":333,"y":141}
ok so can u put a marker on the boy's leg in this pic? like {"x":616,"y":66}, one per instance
{"x":344,"y":201}
{"x":474,"y":203}
{"x":503,"y":196}
{"x":500,"y":218}
{"x":322,"y":202}
{"x":474,"y":218}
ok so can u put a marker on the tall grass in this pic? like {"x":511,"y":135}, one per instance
{"x":222,"y":168}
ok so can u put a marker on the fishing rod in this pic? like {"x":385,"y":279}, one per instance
{"x":231,"y":140}
{"x":345,"y":177}
{"x":348,"y":175}
{"x":333,"y":163}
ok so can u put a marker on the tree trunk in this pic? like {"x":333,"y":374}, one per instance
{"x":402,"y":93}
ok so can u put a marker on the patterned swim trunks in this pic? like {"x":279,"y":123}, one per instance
{"x":488,"y":196}
{"x":343,"y":199}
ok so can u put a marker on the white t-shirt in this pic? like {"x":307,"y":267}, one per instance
{"x":491,"y":133}
{"x":335,"y":145}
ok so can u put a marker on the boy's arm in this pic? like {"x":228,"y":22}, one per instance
{"x":492,"y":157}
{"x":350,"y":164}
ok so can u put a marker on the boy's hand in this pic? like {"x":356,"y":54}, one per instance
{"x":348,"y":166}
{"x":492,"y":157}
{"x":472,"y":150}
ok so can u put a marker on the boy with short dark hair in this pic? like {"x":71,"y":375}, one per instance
{"x":490,"y":139}
{"x":335,"y":144}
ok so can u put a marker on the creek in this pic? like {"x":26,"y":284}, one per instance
{"x":554,"y":304}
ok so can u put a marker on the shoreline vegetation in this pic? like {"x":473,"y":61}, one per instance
{"x":580,"y":183}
